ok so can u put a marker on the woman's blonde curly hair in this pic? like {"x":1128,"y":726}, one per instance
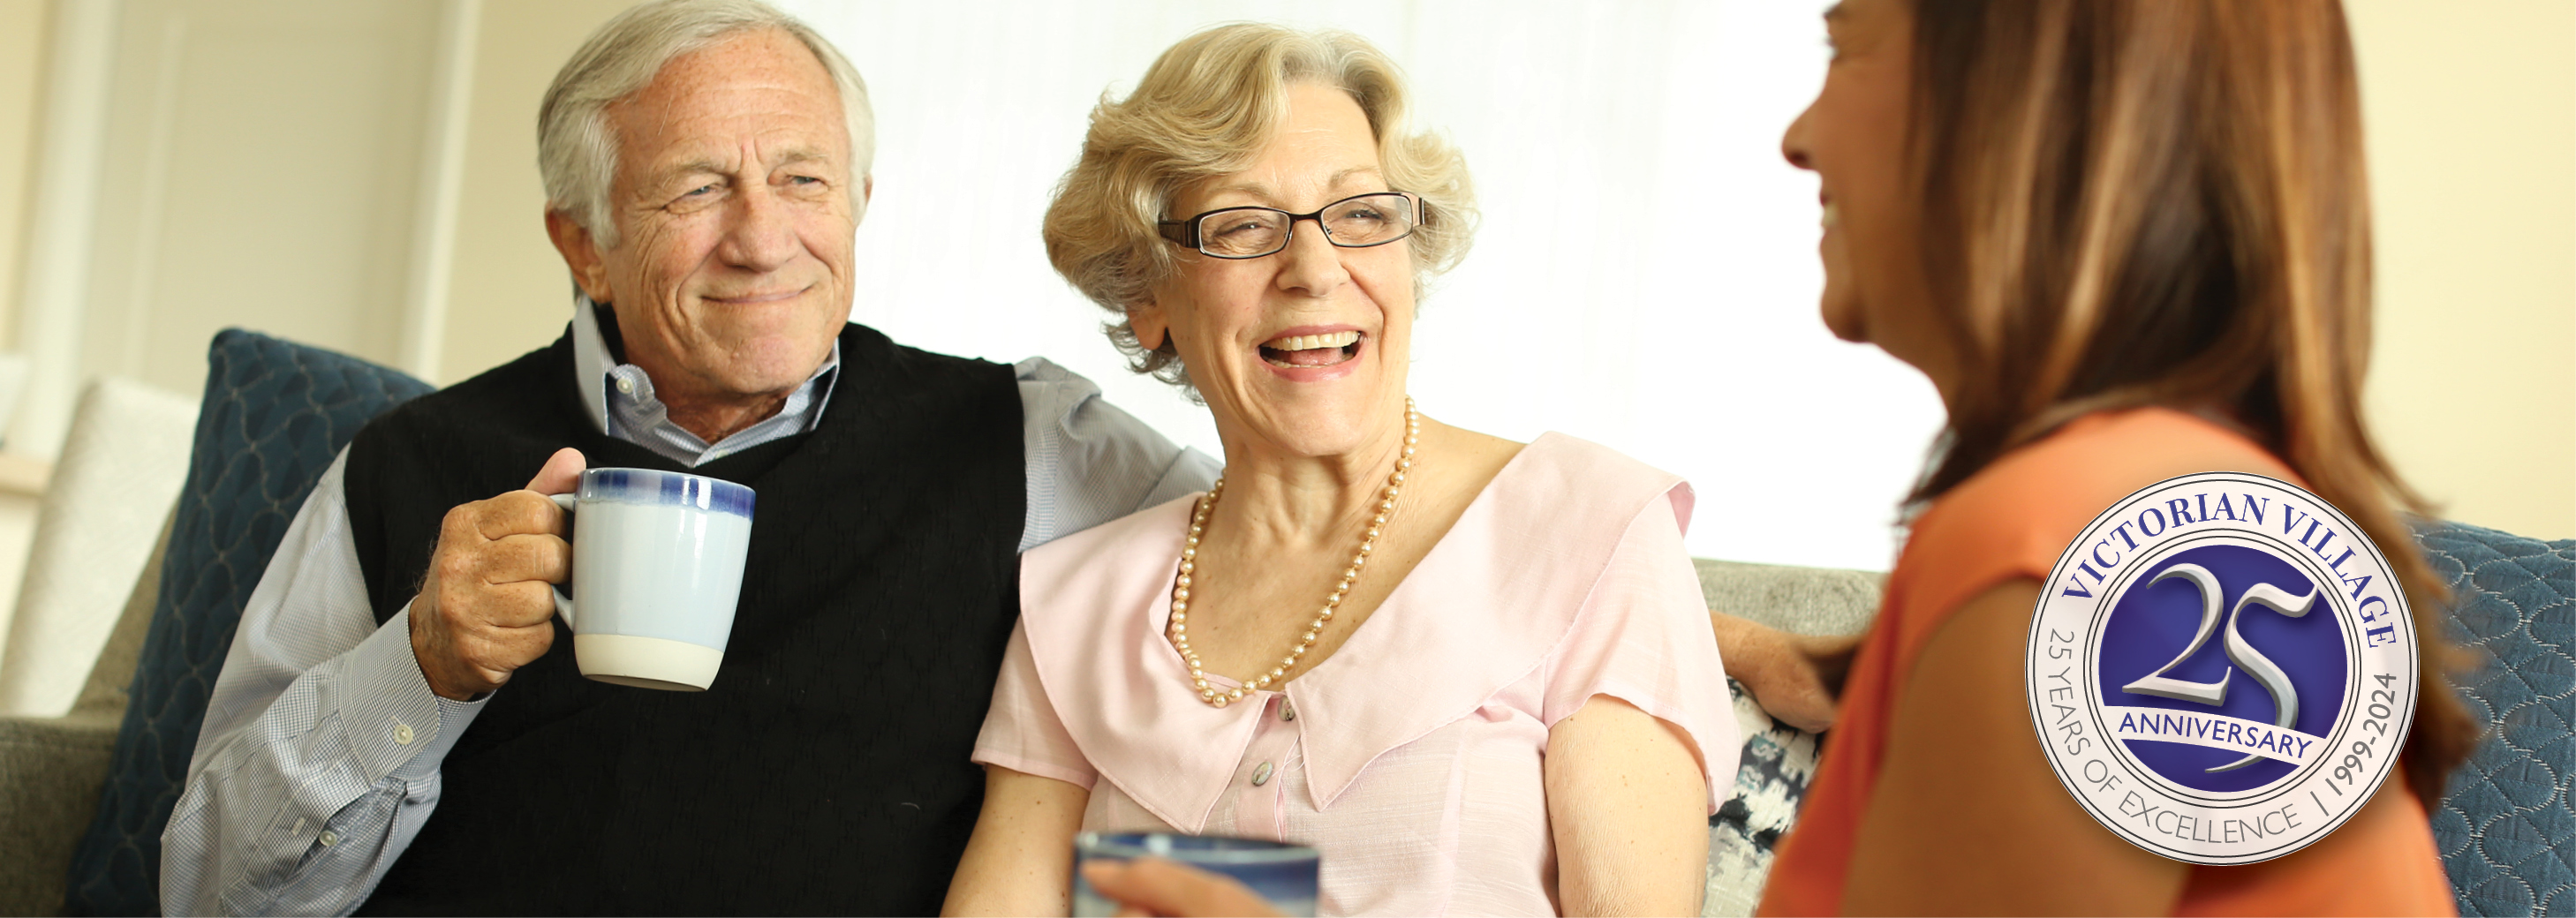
{"x":1205,"y":109}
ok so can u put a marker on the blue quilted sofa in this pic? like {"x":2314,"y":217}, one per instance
{"x":2506,"y":825}
{"x":276,"y":413}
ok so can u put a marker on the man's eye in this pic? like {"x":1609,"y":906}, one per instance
{"x":803,"y":180}
{"x":700,"y":191}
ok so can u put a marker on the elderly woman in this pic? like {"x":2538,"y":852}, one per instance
{"x":1478,"y":675}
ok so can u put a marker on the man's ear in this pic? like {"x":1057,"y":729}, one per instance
{"x":580,"y":253}
{"x":867,"y":192}
{"x":1153,"y":330}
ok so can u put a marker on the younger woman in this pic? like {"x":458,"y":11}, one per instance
{"x":2126,"y":240}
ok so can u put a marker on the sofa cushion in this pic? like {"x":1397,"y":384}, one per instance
{"x":2504,"y":822}
{"x":274,"y":415}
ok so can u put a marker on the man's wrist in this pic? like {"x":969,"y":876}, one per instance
{"x":395,"y":722}
{"x":422,"y":654}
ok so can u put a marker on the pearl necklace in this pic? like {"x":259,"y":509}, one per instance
{"x":1180,"y":628}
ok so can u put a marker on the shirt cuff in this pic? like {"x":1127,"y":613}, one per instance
{"x":394,"y":723}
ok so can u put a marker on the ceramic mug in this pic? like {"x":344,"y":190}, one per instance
{"x":657,"y":567}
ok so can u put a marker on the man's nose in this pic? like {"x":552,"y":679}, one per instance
{"x":760,"y":231}
{"x":1310,"y":262}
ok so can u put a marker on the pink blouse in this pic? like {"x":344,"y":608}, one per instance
{"x":1410,"y":758}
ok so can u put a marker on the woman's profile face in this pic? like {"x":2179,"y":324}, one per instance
{"x":1853,"y":137}
{"x":1303,"y":350}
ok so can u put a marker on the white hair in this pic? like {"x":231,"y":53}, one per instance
{"x":576,"y":150}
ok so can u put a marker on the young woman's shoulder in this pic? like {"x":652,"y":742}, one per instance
{"x":2016,"y":516}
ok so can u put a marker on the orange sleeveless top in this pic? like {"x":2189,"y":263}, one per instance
{"x":2011,"y":521}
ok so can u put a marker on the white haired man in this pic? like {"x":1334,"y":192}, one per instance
{"x":706,"y":164}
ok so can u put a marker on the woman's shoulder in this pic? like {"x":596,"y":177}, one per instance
{"x":1565,"y":479}
{"x":2014,"y":517}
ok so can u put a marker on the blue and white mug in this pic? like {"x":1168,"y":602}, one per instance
{"x":657,"y":565}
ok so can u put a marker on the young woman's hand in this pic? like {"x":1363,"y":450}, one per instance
{"x":1795,"y":677}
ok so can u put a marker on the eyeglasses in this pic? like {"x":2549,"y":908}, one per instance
{"x":1355,"y":222}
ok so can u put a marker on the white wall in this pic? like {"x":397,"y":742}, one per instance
{"x":1645,"y":278}
{"x":260,"y":168}
{"x":23,"y":27}
{"x":2471,"y":112}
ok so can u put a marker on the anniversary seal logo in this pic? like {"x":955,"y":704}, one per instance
{"x":2222,"y":668}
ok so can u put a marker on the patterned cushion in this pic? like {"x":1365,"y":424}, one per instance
{"x":275,"y":415}
{"x":2504,"y":822}
{"x":1770,"y":784}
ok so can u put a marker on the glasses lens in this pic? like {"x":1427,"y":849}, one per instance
{"x":1370,"y":220}
{"x":1243,"y":232}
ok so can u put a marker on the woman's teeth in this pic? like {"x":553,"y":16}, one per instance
{"x":1310,"y":350}
{"x":1311,"y":342}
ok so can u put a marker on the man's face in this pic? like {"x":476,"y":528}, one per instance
{"x":735,"y":208}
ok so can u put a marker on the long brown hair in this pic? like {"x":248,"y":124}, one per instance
{"x":2163,"y":202}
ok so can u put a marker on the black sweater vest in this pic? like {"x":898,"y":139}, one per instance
{"x":826,"y":769}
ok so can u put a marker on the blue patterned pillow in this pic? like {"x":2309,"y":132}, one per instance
{"x":1770,"y":786}
{"x":2505,"y":822}
{"x":275,"y":415}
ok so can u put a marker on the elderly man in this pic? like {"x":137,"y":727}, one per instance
{"x":706,"y":165}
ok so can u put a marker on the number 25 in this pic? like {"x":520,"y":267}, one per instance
{"x":2285,"y":697}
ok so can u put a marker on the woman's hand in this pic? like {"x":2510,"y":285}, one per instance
{"x":1151,"y":886}
{"x":1795,"y":677}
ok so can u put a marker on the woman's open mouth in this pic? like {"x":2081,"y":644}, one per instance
{"x":1318,"y":350}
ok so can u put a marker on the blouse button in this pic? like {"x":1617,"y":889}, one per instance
{"x":1286,"y":712}
{"x":1261,"y":775}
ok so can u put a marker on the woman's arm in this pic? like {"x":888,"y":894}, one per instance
{"x":1967,"y":817}
{"x":1629,"y":808}
{"x":1020,"y":859}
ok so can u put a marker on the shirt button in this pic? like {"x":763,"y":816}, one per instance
{"x":402,"y":733}
{"x":329,"y":838}
{"x":1286,"y":712}
{"x":1261,"y":775}
{"x":626,"y":385}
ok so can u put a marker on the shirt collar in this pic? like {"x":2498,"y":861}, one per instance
{"x":592,"y":360}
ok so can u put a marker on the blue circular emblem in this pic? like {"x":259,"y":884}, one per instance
{"x":2221,"y":668}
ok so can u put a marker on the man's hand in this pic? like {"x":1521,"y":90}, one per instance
{"x":1795,"y":677}
{"x":1151,"y":886}
{"x":488,"y":605}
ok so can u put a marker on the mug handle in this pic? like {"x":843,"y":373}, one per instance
{"x":563,"y":603}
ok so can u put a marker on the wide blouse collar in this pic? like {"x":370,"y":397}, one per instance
{"x":1484,"y":609}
